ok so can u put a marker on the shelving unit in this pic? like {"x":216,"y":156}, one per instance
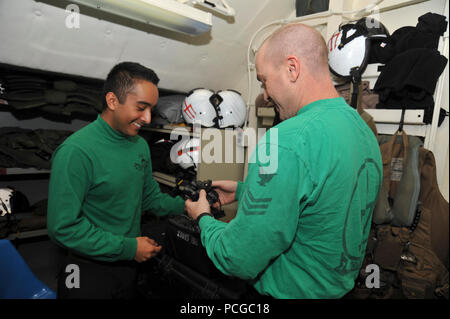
{"x":386,"y":120}
{"x":209,"y":168}
{"x":21,"y":234}
{"x":33,"y":182}
{"x":11,"y":176}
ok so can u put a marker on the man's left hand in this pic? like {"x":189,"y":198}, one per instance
{"x":194,"y":209}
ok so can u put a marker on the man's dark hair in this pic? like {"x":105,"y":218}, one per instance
{"x":121,"y":79}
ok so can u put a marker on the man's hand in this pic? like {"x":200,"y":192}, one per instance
{"x":226,"y":191}
{"x":146,"y":249}
{"x":196,"y":208}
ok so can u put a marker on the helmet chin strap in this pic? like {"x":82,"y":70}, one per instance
{"x":355,"y":74}
{"x":215,"y":100}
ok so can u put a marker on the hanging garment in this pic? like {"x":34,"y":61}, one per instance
{"x":409,"y":239}
{"x":413,"y":66}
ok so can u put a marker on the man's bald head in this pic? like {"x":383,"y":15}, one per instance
{"x":300,"y":40}
{"x":292,"y":66}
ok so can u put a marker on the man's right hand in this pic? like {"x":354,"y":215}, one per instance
{"x":146,"y":249}
{"x":226,"y":191}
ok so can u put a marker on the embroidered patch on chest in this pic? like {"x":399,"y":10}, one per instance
{"x":142,"y":163}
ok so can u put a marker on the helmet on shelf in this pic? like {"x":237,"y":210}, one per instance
{"x":197,"y":108}
{"x":13,"y":201}
{"x":187,"y":153}
{"x":6,"y":195}
{"x":355,"y":45}
{"x":223,"y":109}
{"x":232,"y":108}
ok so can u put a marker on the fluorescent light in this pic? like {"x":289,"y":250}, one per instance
{"x":167,"y":14}
{"x":220,"y":6}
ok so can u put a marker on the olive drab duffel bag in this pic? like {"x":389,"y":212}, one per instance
{"x":409,"y":238}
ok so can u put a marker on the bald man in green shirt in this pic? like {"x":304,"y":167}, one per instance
{"x":302,"y":224}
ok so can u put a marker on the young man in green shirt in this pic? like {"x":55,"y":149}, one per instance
{"x":101,"y":181}
{"x":303,"y":218}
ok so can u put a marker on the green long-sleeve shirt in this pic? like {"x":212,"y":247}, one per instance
{"x":303,"y":218}
{"x":101,"y":181}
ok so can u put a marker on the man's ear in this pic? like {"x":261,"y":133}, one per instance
{"x":111,"y":101}
{"x":293,"y":67}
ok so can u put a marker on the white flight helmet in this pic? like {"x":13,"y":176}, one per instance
{"x":232,"y":109}
{"x":353,"y":45}
{"x":188,"y":153}
{"x":197,"y":108}
{"x":6,"y":195}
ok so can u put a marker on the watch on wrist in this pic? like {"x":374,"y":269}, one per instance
{"x":202,"y":215}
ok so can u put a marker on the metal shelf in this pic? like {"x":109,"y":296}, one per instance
{"x":165,"y":179}
{"x":379,"y":115}
{"x":393,"y":116}
{"x":23,"y":171}
{"x":28,"y":234}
